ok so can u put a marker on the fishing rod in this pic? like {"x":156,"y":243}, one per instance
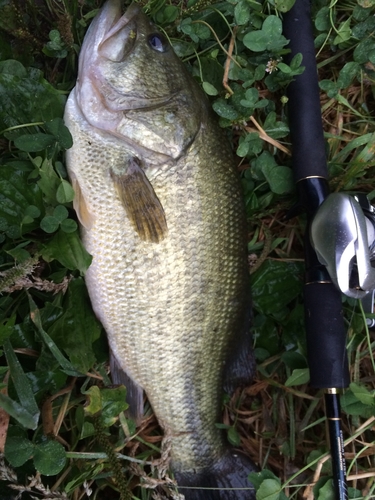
{"x":325,"y":328}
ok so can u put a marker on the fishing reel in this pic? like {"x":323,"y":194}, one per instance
{"x":343,"y":237}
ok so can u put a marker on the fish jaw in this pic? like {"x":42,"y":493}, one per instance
{"x":110,"y":38}
{"x":88,"y":96}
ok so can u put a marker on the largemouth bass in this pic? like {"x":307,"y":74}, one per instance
{"x":160,"y":207}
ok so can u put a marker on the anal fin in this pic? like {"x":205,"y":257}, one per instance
{"x":140,"y":201}
{"x":240,"y":366}
{"x":134,"y":392}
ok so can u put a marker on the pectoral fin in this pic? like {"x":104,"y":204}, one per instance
{"x":141,"y":204}
{"x":80,"y":206}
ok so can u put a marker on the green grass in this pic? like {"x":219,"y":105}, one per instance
{"x":53,"y":388}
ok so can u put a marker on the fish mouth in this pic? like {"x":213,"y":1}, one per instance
{"x":112,"y":9}
{"x":125,"y":24}
{"x":133,"y":102}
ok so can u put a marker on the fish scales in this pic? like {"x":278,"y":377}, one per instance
{"x":172,"y":307}
{"x":149,"y":297}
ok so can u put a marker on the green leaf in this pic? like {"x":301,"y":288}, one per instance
{"x":49,"y":224}
{"x":56,"y":46}
{"x":113,"y":403}
{"x":195,"y":29}
{"x":296,"y":62}
{"x":109,"y":403}
{"x":32,"y":211}
{"x":299,"y":376}
{"x":250,"y":144}
{"x":284,"y":5}
{"x":279,"y":178}
{"x":27,"y":219}
{"x":66,"y":366}
{"x":21,"y":384}
{"x":60,"y":132}
{"x":242,"y":13}
{"x":95,"y":404}
{"x":16,"y":196}
{"x":363,"y":50}
{"x":353,"y":144}
{"x":49,"y":181}
{"x":362,"y":394}
{"x":47,"y":381}
{"x":67,"y":248}
{"x":331,"y":88}
{"x":209,"y":89}
{"x":18,"y":412}
{"x":351,"y":405}
{"x":26,"y":96}
{"x":272,"y":26}
{"x":294,"y":360}
{"x":233,"y":436}
{"x":270,"y":489}
{"x":60,"y":212}
{"x":65,"y":192}
{"x":256,"y":40}
{"x":327,"y":491}
{"x":18,"y":450}
{"x":69,"y":226}
{"x":6,"y":328}
{"x":284,"y":68}
{"x":87,"y":430}
{"x":257,"y":478}
{"x":225,"y":110}
{"x":34,"y":142}
{"x":268,"y":38}
{"x":19,"y":253}
{"x":368,"y":152}
{"x":77,"y":328}
{"x":170,"y":13}
{"x":344,"y":32}
{"x":49,"y":458}
{"x":347,"y":73}
{"x":13,"y":67}
{"x":266,"y":335}
{"x":365,"y":28}
{"x":86,"y":475}
{"x":322,"y":21}
{"x":275,"y":284}
{"x":252,"y":96}
{"x":275,"y":129}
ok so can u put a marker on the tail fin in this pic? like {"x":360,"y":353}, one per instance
{"x":225,"y":480}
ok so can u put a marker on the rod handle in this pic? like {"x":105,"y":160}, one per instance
{"x":326,"y":336}
{"x":305,"y":120}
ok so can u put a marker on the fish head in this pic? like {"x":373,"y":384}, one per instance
{"x":132,"y":84}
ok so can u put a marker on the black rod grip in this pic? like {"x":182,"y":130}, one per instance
{"x":304,"y":113}
{"x":326,"y":336}
{"x":337,"y":445}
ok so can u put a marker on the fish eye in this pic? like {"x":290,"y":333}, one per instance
{"x":158,"y":42}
